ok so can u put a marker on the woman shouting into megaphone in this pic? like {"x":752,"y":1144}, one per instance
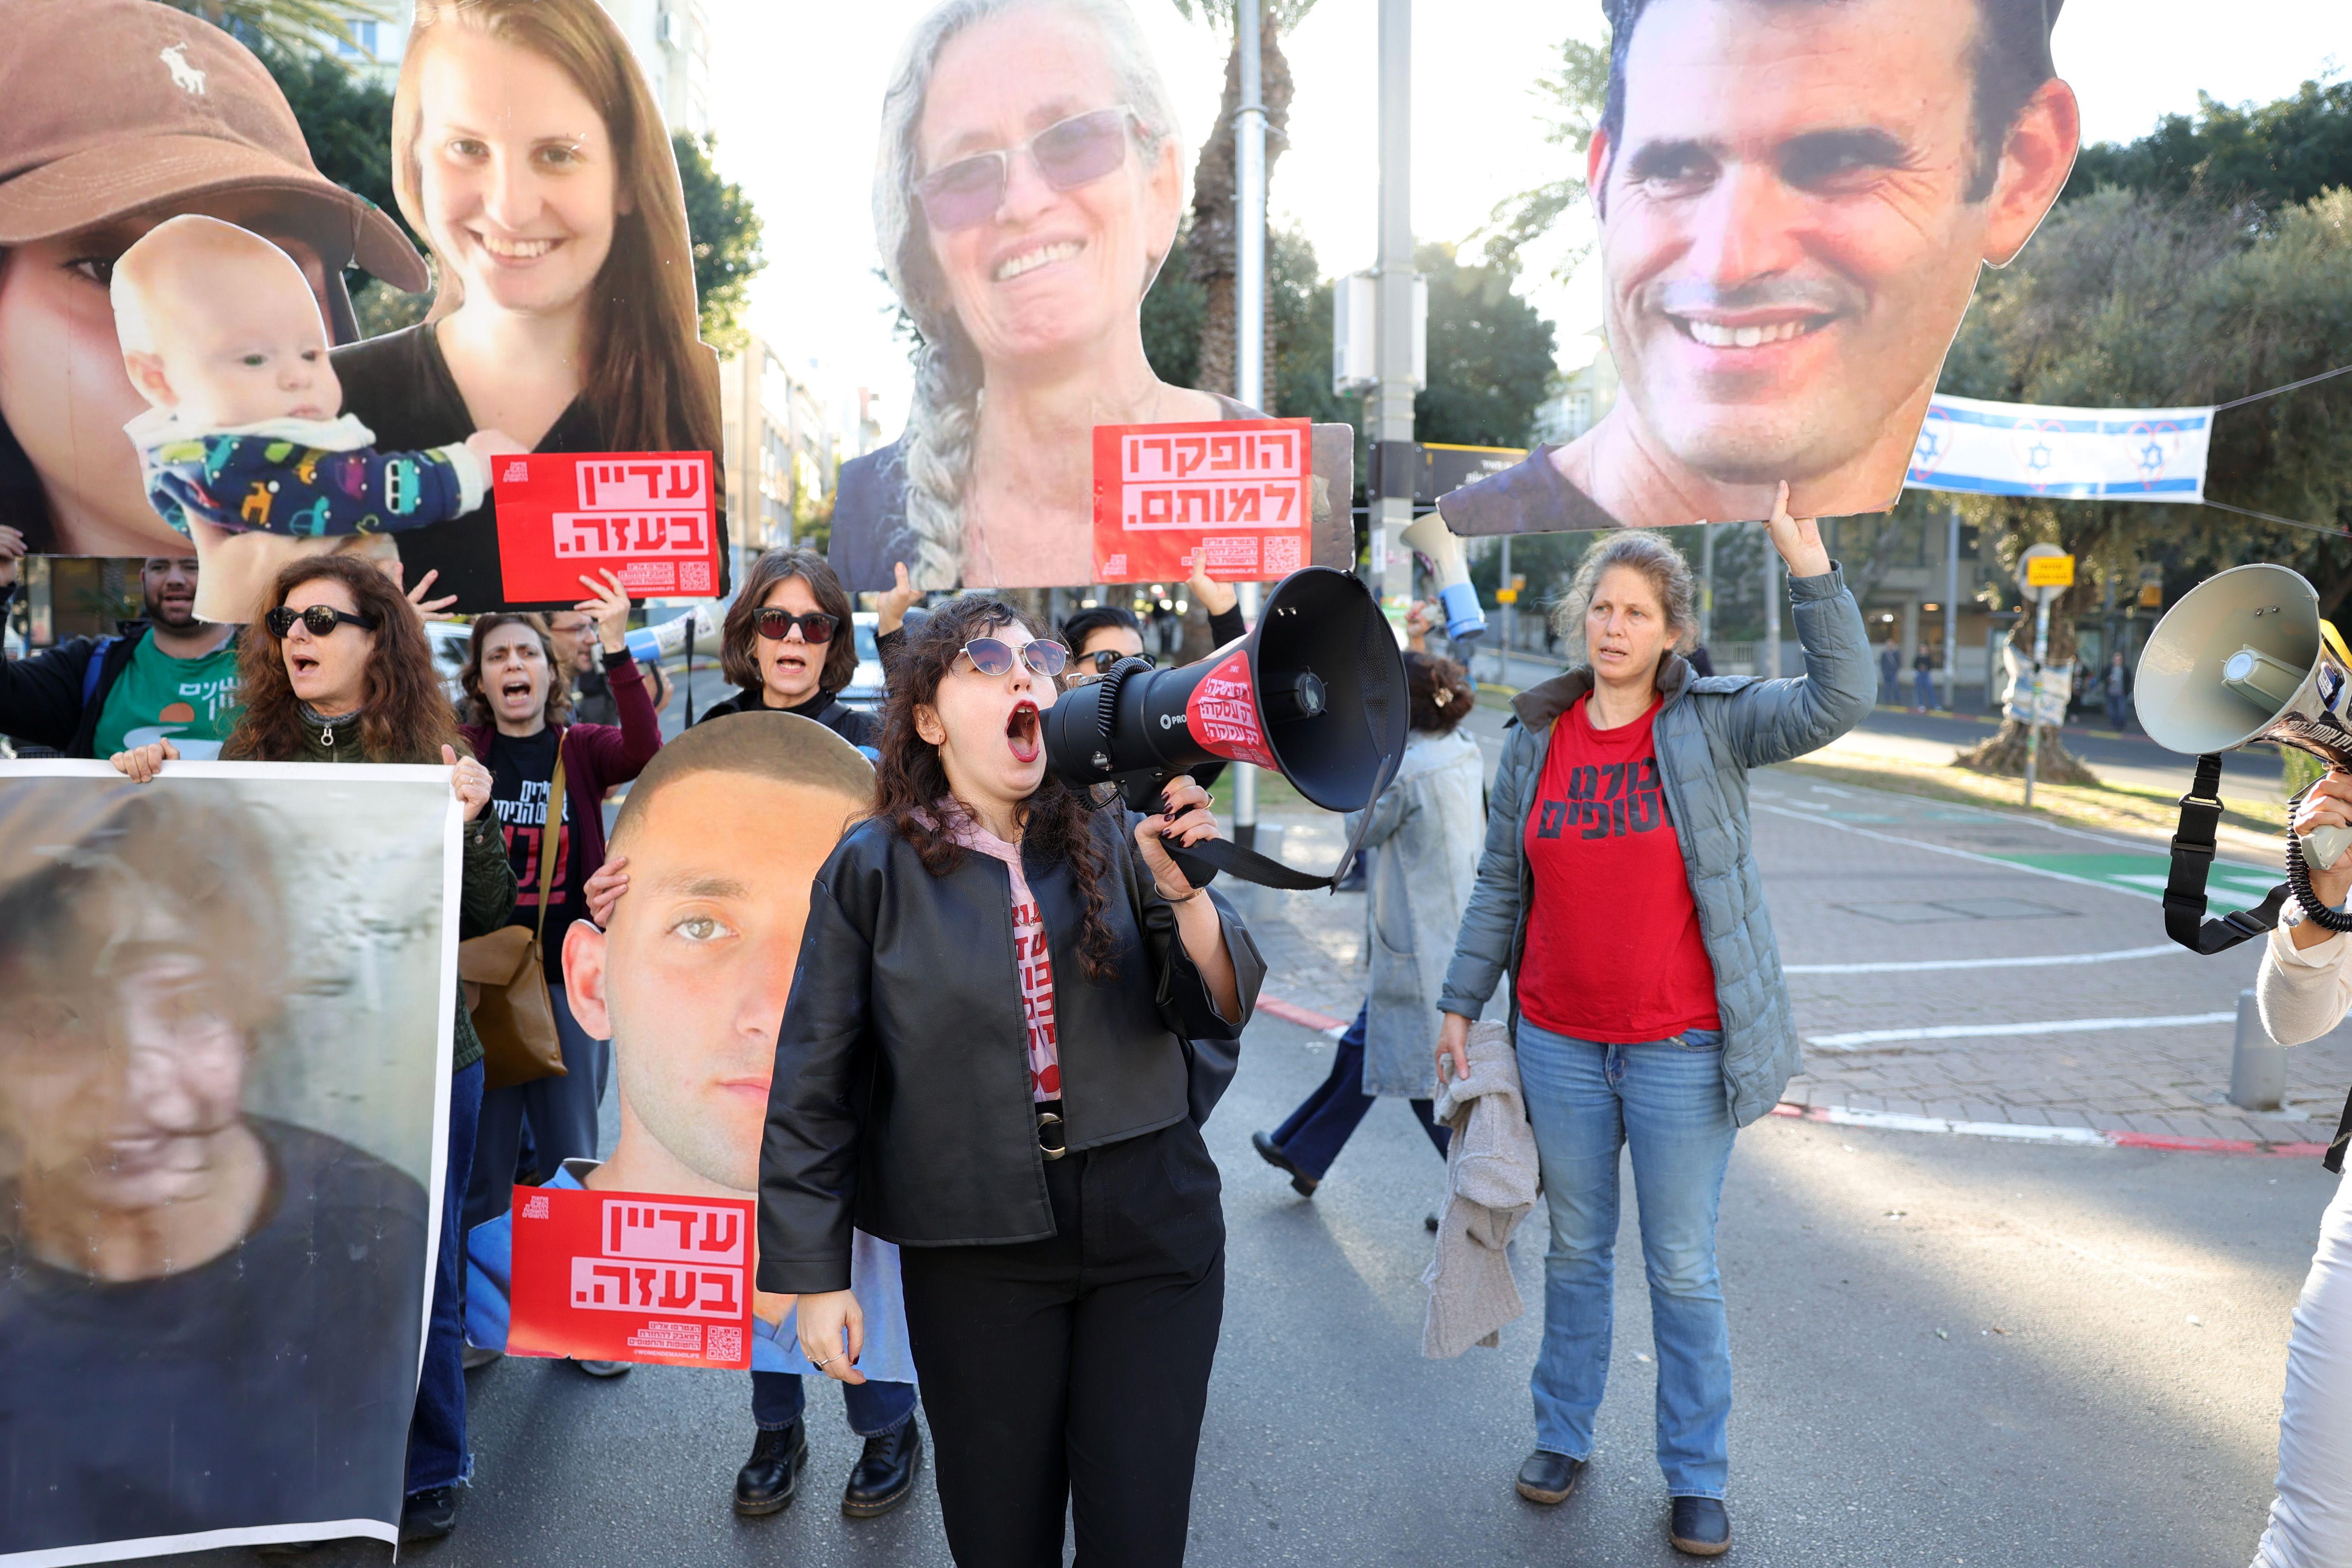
{"x":1619,"y":887}
{"x":986,"y":1046}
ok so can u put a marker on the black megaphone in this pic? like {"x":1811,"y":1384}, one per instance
{"x":1316,"y":691}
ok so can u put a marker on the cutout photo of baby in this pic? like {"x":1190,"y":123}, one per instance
{"x":245,"y":447}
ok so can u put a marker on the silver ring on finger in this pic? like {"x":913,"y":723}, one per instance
{"x":823,"y":1364}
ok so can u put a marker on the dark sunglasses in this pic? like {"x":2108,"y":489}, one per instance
{"x":994,"y":656}
{"x":1101,"y":659}
{"x":1069,"y":153}
{"x":816,"y":626}
{"x":320,"y":620}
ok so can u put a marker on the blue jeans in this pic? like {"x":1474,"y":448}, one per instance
{"x":874,"y":1408}
{"x":563,"y":1110}
{"x":1665,"y":1101}
{"x":437,"y":1436}
{"x":1325,"y":1119}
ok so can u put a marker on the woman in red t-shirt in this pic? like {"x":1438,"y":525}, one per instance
{"x":1620,"y":891}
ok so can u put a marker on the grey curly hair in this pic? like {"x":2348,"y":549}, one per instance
{"x":1654,"y":558}
{"x":937,"y":447}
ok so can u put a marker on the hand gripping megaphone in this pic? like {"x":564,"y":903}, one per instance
{"x":1316,"y":690}
{"x":2244,"y":657}
{"x":1463,"y":617}
{"x":655,"y":643}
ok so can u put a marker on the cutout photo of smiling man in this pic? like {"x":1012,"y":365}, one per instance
{"x":1794,"y":198}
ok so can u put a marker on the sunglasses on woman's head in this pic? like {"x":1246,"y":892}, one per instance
{"x":1072,"y":153}
{"x":816,"y":626}
{"x":321,"y":620}
{"x":994,"y":656}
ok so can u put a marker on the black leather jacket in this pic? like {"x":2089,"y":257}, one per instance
{"x":901,"y":1100}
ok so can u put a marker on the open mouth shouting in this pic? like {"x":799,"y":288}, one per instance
{"x":515,"y":694}
{"x":1022,"y":732}
{"x":301,"y":667}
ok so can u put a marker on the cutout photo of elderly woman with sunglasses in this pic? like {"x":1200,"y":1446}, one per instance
{"x":1027,"y":189}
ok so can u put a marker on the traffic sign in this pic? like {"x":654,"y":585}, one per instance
{"x":2049,"y":571}
{"x":1507,"y":596}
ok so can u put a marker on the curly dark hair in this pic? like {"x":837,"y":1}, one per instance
{"x":739,"y":656}
{"x":559,"y":673}
{"x":405,"y":716}
{"x":912,"y":784}
{"x":1439,"y":693}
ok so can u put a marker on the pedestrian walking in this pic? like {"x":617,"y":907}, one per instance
{"x":2303,"y":989}
{"x":984,"y":1060}
{"x":1620,"y":891}
{"x":1421,"y":844}
{"x":1890,"y":673}
{"x":2116,"y":686}
{"x":1923,"y":682}
{"x":519,"y":722}
{"x":344,"y":676}
{"x":165,"y":676}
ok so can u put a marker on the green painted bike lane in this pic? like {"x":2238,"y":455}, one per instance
{"x":2230,"y":887}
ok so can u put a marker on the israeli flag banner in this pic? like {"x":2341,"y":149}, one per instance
{"x":2078,"y":454}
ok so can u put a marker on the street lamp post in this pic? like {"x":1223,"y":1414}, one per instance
{"x":1249,"y":310}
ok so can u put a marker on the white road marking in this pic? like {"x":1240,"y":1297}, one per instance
{"x":2034,"y":961}
{"x":1847,"y":1042}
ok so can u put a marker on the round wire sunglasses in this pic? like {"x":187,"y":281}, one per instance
{"x":1066,"y":154}
{"x":993,"y":657}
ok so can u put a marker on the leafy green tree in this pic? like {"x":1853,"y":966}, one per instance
{"x":728,"y":240}
{"x":1570,"y":97}
{"x":1491,"y":355}
{"x":2130,"y":298}
{"x":296,"y":26}
{"x":1215,"y":221}
{"x":2270,"y":155}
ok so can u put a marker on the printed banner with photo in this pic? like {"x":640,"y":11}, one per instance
{"x":223,"y":1060}
{"x":1029,"y":181}
{"x":1793,"y":205}
{"x":205,"y":388}
{"x":725,"y":830}
{"x":2083,"y":454}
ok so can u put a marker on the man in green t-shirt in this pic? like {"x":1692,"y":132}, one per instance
{"x":168,"y":676}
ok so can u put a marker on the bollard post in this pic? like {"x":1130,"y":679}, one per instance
{"x":2257,"y":1062}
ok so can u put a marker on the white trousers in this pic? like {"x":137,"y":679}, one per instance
{"x":2311,"y":1518}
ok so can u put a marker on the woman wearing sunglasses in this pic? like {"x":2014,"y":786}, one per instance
{"x":977,"y":1062}
{"x":1029,"y":186}
{"x":344,"y":676}
{"x":788,"y":646}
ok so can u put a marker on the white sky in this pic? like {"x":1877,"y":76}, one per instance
{"x":797,"y":91}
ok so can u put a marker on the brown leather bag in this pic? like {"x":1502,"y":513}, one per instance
{"x":505,"y":975}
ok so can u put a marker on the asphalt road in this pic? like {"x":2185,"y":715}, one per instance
{"x":2124,"y":1411}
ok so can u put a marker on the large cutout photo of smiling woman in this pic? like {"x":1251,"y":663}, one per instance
{"x":529,"y":151}
{"x":1028,"y":187}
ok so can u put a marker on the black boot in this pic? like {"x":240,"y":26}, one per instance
{"x":885,"y":1472}
{"x":1270,"y":1153}
{"x":773,"y":1474}
{"x":429,"y":1515}
{"x":1699,"y":1527}
{"x":1548,"y":1478}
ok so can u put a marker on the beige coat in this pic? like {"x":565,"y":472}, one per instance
{"x":1490,"y":1178}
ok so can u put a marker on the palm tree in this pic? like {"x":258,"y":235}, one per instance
{"x":296,"y":26}
{"x":1215,"y":217}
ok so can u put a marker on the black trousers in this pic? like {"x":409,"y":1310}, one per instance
{"x":1075,"y":1371}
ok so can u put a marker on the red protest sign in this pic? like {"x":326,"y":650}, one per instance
{"x":650,"y":518}
{"x":631,"y":1276}
{"x":1222,"y":712}
{"x":1240,"y":490}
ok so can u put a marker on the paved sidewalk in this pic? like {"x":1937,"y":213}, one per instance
{"x":1919,"y":938}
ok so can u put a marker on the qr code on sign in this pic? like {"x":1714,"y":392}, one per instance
{"x":1281,"y":555}
{"x":694,"y":577}
{"x":722,"y":1345}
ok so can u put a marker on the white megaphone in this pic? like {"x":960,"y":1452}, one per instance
{"x":2244,"y":657}
{"x":1431,"y":537}
{"x":654,"y":644}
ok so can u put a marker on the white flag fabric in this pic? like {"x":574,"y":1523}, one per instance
{"x":2081,"y":454}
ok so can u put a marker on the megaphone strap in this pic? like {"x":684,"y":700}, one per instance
{"x":2193,"y":846}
